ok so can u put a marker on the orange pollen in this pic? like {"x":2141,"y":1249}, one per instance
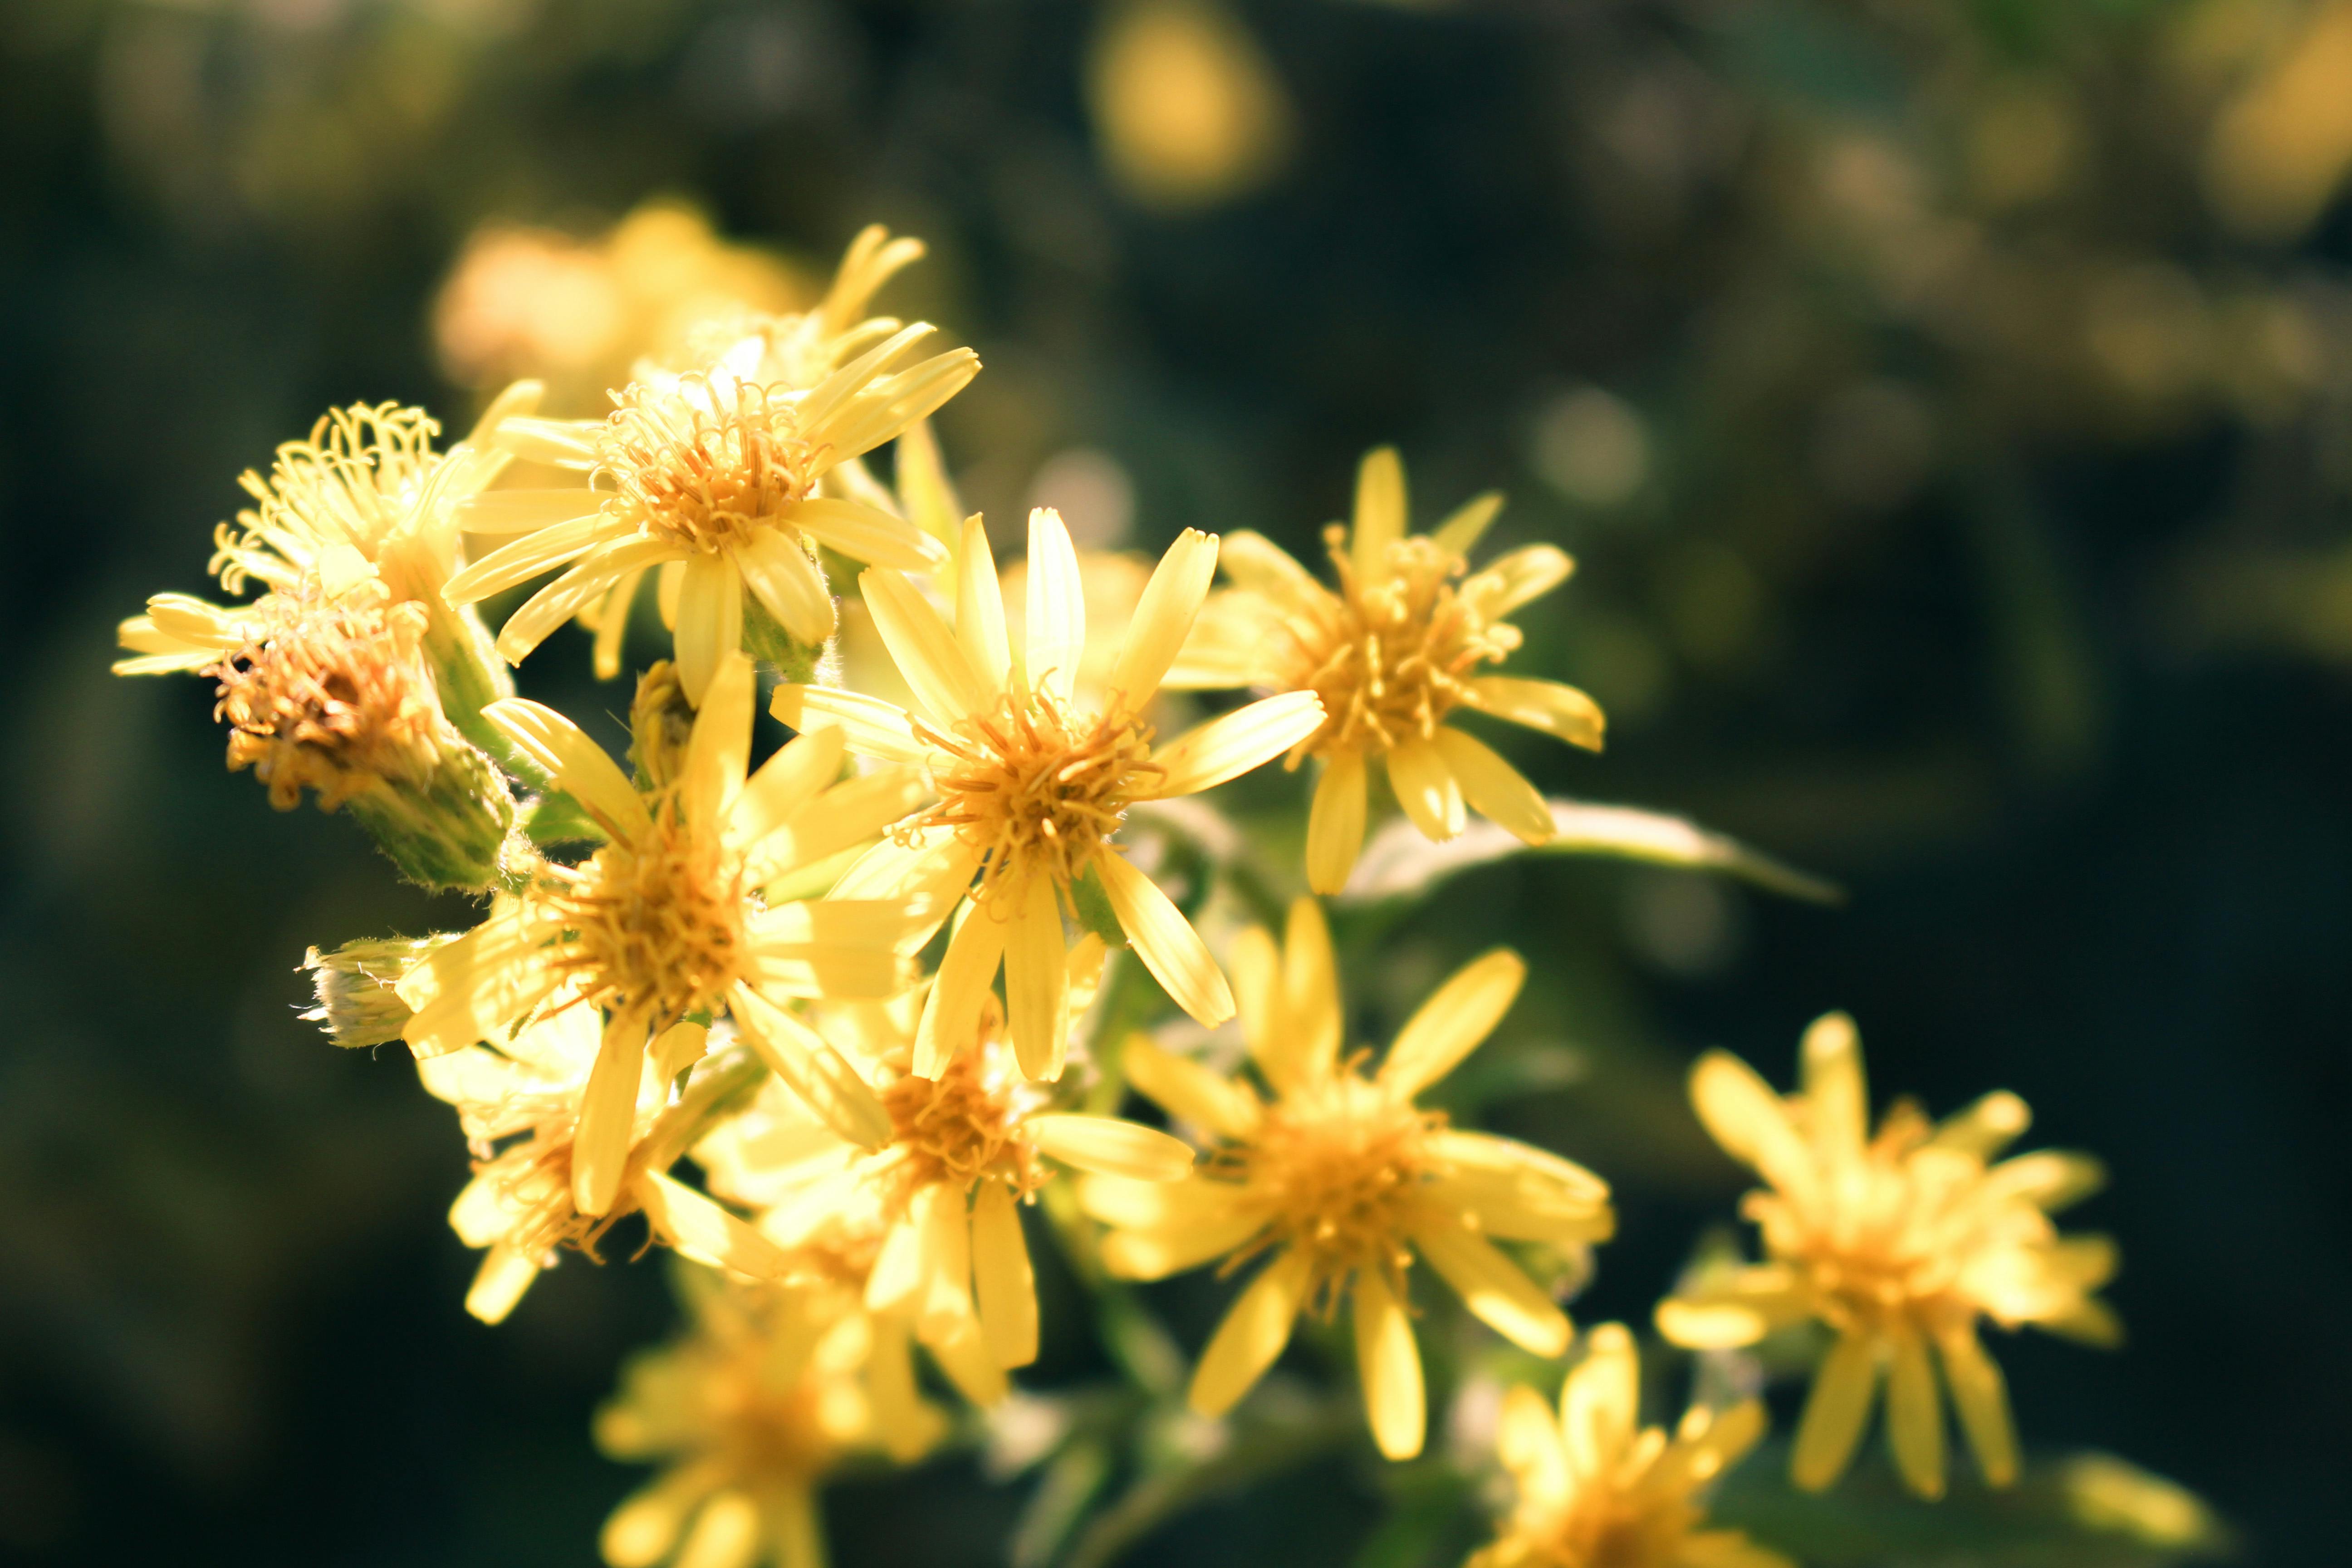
{"x":334,"y":696}
{"x":654,"y":922}
{"x":1338,"y":1164}
{"x":702,"y":467}
{"x":1027,"y":788}
{"x":1392,"y":655}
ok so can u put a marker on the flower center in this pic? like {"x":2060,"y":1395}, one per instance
{"x":1891,"y":1239}
{"x":1339,"y":1165}
{"x":1030,"y":789}
{"x":1602,"y":1528}
{"x":702,"y":466}
{"x":965,"y":1125}
{"x":334,"y":696}
{"x":656,"y":922}
{"x":1398,"y":654}
{"x":767,"y":1433}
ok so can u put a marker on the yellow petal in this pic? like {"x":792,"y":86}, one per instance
{"x":1381,"y":509}
{"x":980,"y":610}
{"x":944,"y":1227}
{"x":1111,"y":1146}
{"x":1005,"y":1289}
{"x":1256,"y":965}
{"x":1229,"y":747}
{"x":1736,"y":1312}
{"x":1558,"y":710}
{"x":612,"y":622}
{"x":1448,"y":1026}
{"x":1163,"y":617}
{"x":1459,"y":534}
{"x":702,"y":1231}
{"x":785,"y":781}
{"x":1390,"y":1365}
{"x":1837,"y":1101}
{"x":1425,"y":788}
{"x":1310,"y":989}
{"x":1981,"y":1397}
{"x":1985,"y":1128}
{"x":525,"y":510}
{"x":872,"y":727}
{"x":525,"y":558}
{"x":1252,"y":1336}
{"x":1057,"y":608}
{"x":499,"y":1283}
{"x":898,"y":1271}
{"x":866,"y":533}
{"x":952,"y":1011}
{"x":1135,"y":1204}
{"x":578,"y":765}
{"x":718,"y":748}
{"x":1036,"y":980}
{"x":1258,"y":564}
{"x":923,"y":645}
{"x":1600,"y":1404}
{"x":1915,"y":1418}
{"x":1171,"y":1249}
{"x":589,"y":580}
{"x":1165,"y":940}
{"x":642,"y":1530}
{"x":1528,"y":1442}
{"x":709,"y":620}
{"x":794,"y":1533}
{"x":845,"y":817}
{"x":1189,"y":1091}
{"x":475,"y":986}
{"x":608,"y":1111}
{"x":961,"y":1351}
{"x":778,"y":571}
{"x":924,"y":488}
{"x":1510,"y":581}
{"x":2050,"y":1179}
{"x":1493,"y":788}
{"x":1748,"y":1119}
{"x":1494,"y":1288}
{"x":726,"y":1534}
{"x":809,"y":1066}
{"x":1334,"y":824}
{"x":1834,"y":1413}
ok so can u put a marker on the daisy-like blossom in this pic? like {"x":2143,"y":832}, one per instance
{"x":1898,"y":1242}
{"x":1034,"y":784}
{"x":966,"y":1150}
{"x":1344,"y":1181}
{"x":734,"y":478}
{"x":665,"y":922}
{"x":519,"y":1105}
{"x":1598,"y":1490}
{"x":1394,"y":651}
{"x":770,"y":1389}
{"x":366,"y":496}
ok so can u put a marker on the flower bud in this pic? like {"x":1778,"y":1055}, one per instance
{"x":357,"y":1005}
{"x":661,"y":720}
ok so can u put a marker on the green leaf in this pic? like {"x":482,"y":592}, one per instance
{"x":1399,"y":863}
{"x":557,"y":818}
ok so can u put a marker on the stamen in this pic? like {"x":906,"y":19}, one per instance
{"x":704,"y":465}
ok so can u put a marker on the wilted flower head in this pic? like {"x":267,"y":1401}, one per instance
{"x":1598,"y":1490}
{"x":1898,"y":1242}
{"x":1344,"y":1180}
{"x":1033,"y":783}
{"x":662,"y":922}
{"x":521,"y":1104}
{"x":1393,"y":651}
{"x":770,"y":1389}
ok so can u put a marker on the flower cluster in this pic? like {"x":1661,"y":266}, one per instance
{"x":846,"y":1019}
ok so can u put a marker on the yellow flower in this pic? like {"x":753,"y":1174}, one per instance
{"x":520,"y":1106}
{"x":939,"y":1198}
{"x":770,"y":1391}
{"x":1343,"y":1179}
{"x":1597,"y":1490}
{"x":730,"y":476}
{"x":1033,"y":783}
{"x":1392,"y":652}
{"x":663,"y":924}
{"x":1898,"y":1242}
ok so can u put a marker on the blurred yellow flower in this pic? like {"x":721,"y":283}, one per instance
{"x":1033,"y":783}
{"x":770,"y":1389}
{"x":1393,"y":652}
{"x":1898,"y":1242}
{"x":1186,"y":104}
{"x":1598,"y":1490}
{"x":662,"y":924}
{"x":519,"y":1105}
{"x":965,"y":1149}
{"x":1343,"y":1179}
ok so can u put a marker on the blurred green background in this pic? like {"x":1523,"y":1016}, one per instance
{"x":1950,"y":402}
